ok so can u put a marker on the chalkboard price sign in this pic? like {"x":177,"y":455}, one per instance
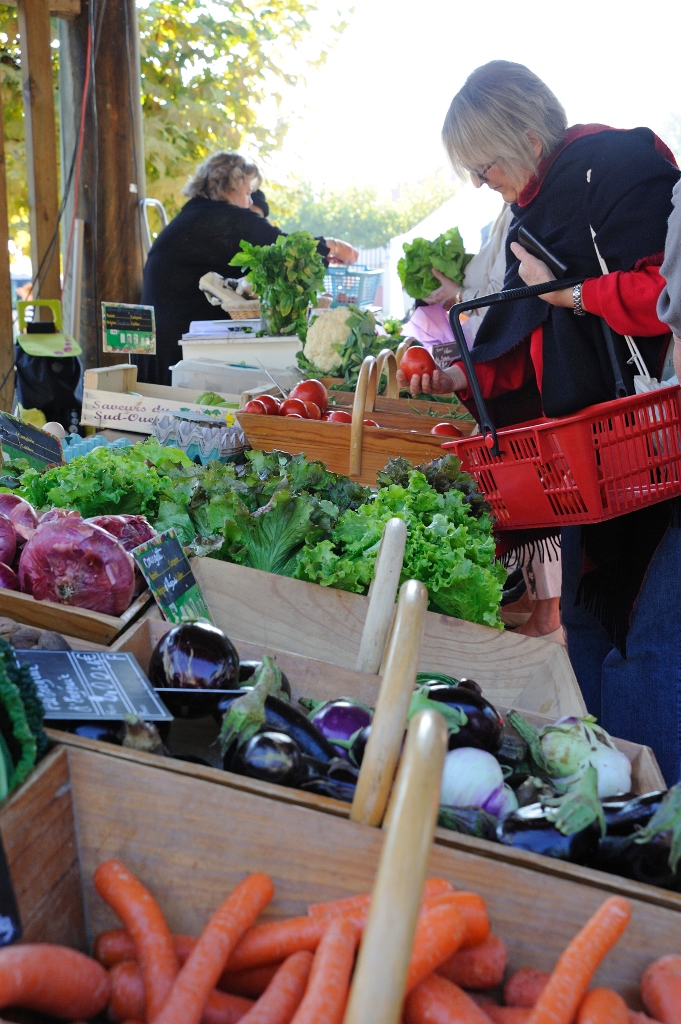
{"x":128,"y":328}
{"x":166,"y":569}
{"x":24,"y":441}
{"x":93,"y":685}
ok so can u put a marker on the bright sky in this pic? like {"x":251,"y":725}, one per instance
{"x":374,"y":112}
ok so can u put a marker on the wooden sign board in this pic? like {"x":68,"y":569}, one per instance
{"x":136,"y":413}
{"x":166,"y":569}
{"x":92,"y":685}
{"x":24,"y":441}
{"x":128,"y":328}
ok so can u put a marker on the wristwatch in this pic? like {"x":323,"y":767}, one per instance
{"x":578,"y":308}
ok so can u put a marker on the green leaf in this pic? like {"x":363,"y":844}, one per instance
{"x":667,"y":818}
{"x":579,"y":807}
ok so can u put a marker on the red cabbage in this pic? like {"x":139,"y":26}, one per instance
{"x":131,"y":531}
{"x":8,"y":578}
{"x":22,"y":515}
{"x":8,"y":539}
{"x":73,"y":562}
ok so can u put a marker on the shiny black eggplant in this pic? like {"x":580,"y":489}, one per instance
{"x":283,"y":717}
{"x":359,"y":742}
{"x":642,"y":862}
{"x":625,"y":814}
{"x":528,"y":828}
{"x":247,"y":671}
{"x":484,"y":725}
{"x":105,"y":732}
{"x":269,"y":756}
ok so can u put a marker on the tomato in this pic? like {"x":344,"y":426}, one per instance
{"x":293,"y":416}
{"x":255,"y":406}
{"x":447,"y":429}
{"x":370,"y":423}
{"x":339,"y":416}
{"x":311,"y":391}
{"x":271,"y":404}
{"x":293,"y":405}
{"x":417,"y":360}
{"x":313,"y":411}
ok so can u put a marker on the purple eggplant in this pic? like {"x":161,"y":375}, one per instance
{"x":529,"y":828}
{"x":196,"y":656}
{"x":472,"y":720}
{"x":358,"y":745}
{"x":338,"y":720}
{"x":271,"y":757}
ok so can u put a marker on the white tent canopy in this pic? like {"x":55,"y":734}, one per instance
{"x":470,"y":210}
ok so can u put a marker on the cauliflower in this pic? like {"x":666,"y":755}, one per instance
{"x":328,"y":330}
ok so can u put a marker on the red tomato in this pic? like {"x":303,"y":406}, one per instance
{"x":271,"y":404}
{"x":256,"y":406}
{"x":370,"y":423}
{"x":313,"y":411}
{"x":293,"y":405}
{"x":447,"y":429}
{"x":293,"y":416}
{"x":417,"y":360}
{"x":311,"y":391}
{"x":339,"y":416}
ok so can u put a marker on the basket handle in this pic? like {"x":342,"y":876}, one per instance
{"x":387,"y":363}
{"x":377,"y":991}
{"x":382,"y":595}
{"x":402,"y":348}
{"x":487,"y":428}
{"x":366,"y":387}
{"x":392,"y":706}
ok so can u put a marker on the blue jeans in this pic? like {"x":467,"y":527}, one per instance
{"x":637,"y":698}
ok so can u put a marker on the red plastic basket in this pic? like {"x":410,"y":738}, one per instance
{"x":604,"y":461}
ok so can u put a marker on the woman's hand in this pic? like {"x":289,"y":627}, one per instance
{"x":440,"y":383}
{"x":449,"y":292}
{"x":341,"y":252}
{"x":533,"y":271}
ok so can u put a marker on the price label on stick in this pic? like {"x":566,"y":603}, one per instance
{"x":166,"y":569}
{"x":92,"y":685}
{"x":24,"y":441}
{"x":128,"y":328}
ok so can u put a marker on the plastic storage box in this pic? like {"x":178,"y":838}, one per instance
{"x":354,"y":285}
{"x":208,"y":375}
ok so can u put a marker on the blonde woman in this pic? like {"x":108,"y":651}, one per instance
{"x":585,"y":191}
{"x":204,"y":237}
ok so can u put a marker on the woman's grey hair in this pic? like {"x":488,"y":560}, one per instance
{"x":491,"y":116}
{"x":220,"y":173}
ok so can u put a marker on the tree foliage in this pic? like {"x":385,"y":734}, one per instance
{"x":359,"y":213}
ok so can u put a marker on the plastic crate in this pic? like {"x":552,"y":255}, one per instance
{"x":354,"y":285}
{"x":605,"y":461}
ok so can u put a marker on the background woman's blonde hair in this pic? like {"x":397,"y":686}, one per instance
{"x":491,"y":115}
{"x":219,"y":173}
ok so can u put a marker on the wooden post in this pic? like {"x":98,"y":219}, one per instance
{"x":6,"y":326}
{"x":41,"y":145}
{"x":112,"y":165}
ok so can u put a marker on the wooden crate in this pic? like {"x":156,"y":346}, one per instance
{"x":68,"y":620}
{"x":107,"y":404}
{"x":326,"y":624}
{"x":190,"y":842}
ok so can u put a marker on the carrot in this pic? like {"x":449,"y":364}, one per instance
{"x":251,"y":982}
{"x":117,"y":944}
{"x":565,"y":990}
{"x":274,"y":941}
{"x":661,"y":989}
{"x":127,"y":998}
{"x":508,"y":1014}
{"x":640,"y":1018}
{"x":327,"y":990}
{"x":602,"y":1006}
{"x":332,"y":908}
{"x":440,"y":930}
{"x":207,"y":960}
{"x":438,"y":1001}
{"x":283,"y":995}
{"x":525,"y":986}
{"x":141,"y":915}
{"x":480,"y":966}
{"x":474,"y":911}
{"x":52,"y":979}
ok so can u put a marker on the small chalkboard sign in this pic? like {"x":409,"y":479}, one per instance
{"x":93,"y":685}
{"x":128,"y":328}
{"x":166,"y":569}
{"x":24,"y":441}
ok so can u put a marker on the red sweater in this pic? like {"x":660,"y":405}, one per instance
{"x":626,"y":299}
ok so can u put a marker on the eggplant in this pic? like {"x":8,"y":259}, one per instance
{"x":469,"y":821}
{"x":338,"y":720}
{"x":195,"y":656}
{"x":625,"y":814}
{"x":105,"y":732}
{"x":473,"y":721}
{"x":529,"y":828}
{"x":358,"y":745}
{"x":283,"y":717}
{"x":248,"y":670}
{"x":642,"y":862}
{"x":271,"y":757}
{"x":330,"y":787}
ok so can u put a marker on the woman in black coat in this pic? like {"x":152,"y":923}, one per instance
{"x":204,"y":237}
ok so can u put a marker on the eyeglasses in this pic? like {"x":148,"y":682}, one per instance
{"x":482,"y":175}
